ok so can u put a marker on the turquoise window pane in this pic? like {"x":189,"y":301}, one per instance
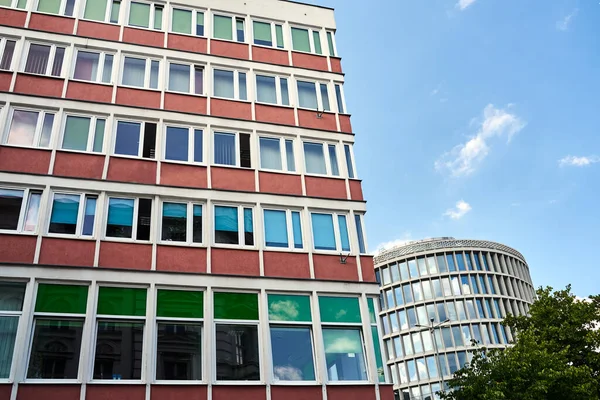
{"x":323,"y":234}
{"x":99,"y":135}
{"x":372,"y":316}
{"x":120,"y":212}
{"x":289,"y":308}
{"x":297,"y":228}
{"x":339,"y":309}
{"x":248,"y":220}
{"x":330,"y":43}
{"x":344,"y":233}
{"x":182,"y":21}
{"x":279,"y":35}
{"x":241,"y":306}
{"x":262,"y":33}
{"x":65,"y":209}
{"x":275,"y":228}
{"x":226,"y":219}
{"x":122,"y":301}
{"x":174,"y":210}
{"x":378,"y":360}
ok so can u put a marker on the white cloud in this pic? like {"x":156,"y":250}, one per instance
{"x":464,"y":158}
{"x":287,"y":373}
{"x":402,"y":240}
{"x":283,"y":310}
{"x":563,"y":24}
{"x":574,"y":161}
{"x":463,"y":4}
{"x":461,"y":209}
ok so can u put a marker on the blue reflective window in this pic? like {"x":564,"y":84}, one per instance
{"x":324,"y":97}
{"x":314,"y":158}
{"x":285,"y":95}
{"x":307,"y":95}
{"x":349,"y":164}
{"x":127,"y":141}
{"x":469,"y":262}
{"x":338,"y":95}
{"x":485,"y":261}
{"x":450,"y":259}
{"x":174,"y":222}
{"x":323,"y":233}
{"x":239,"y":26}
{"x":223,"y":83}
{"x":344,"y":232}
{"x":225,"y":148}
{"x":361,"y":238}
{"x":120,"y":218}
{"x":226,"y":225}
{"x":297,"y":229}
{"x":289,"y":153}
{"x":477,"y":261}
{"x":198,"y":145}
{"x":335,"y":171}
{"x":248,"y":227}
{"x":461,"y":262}
{"x":89,"y":216}
{"x":65,"y":209}
{"x":176,"y":147}
{"x":276,"y":234}
{"x":407,"y":293}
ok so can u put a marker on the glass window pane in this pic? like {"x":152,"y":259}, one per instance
{"x":197,"y":224}
{"x":225,"y":148}
{"x":300,"y":40}
{"x":289,"y":308}
{"x":314,"y":158}
{"x":120,"y":218}
{"x":65,"y":209}
{"x":349,"y":165}
{"x":242,"y":86}
{"x":99,"y":135}
{"x":344,"y":233}
{"x":134,"y":70}
{"x":307,"y":95}
{"x":270,"y":153}
{"x":22,"y":128}
{"x":285,"y":95}
{"x":333,"y":160}
{"x":8,"y":333}
{"x":177,"y":144}
{"x":115,"y":10}
{"x":174,"y":222}
{"x":237,"y":355}
{"x":199,"y":23}
{"x":317,"y":42}
{"x":55,"y":349}
{"x":239,"y":27}
{"x":198,"y":145}
{"x":95,"y":9}
{"x":378,"y":359}
{"x":76,"y":133}
{"x":265,"y":89}
{"x":262,"y":33}
{"x":46,"y":130}
{"x":279,"y":35}
{"x":86,"y":66}
{"x":241,"y":306}
{"x":292,"y":354}
{"x":182,"y":21}
{"x":339,"y":309}
{"x":179,"y":351}
{"x":323,"y":234}
{"x":223,"y":28}
{"x":198,"y":80}
{"x":7,"y":57}
{"x":154,"y":66}
{"x":344,"y":355}
{"x":158,"y":16}
{"x":330,"y":44}
{"x":64,"y":299}
{"x":121,"y":301}
{"x":49,"y":6}
{"x":180,"y":304}
{"x":324,"y":97}
{"x":412,"y":266}
{"x":289,"y":154}
{"x":143,"y":219}
{"x":361,"y":239}
{"x":226,"y":225}
{"x":179,"y":77}
{"x":37,"y":59}
{"x":107,"y":70}
{"x":248,"y":227}
{"x":297,"y":230}
{"x":89,"y":216}
{"x":139,"y":14}
{"x":223,"y":83}
{"x":32,"y":213}
{"x":275,"y":228}
{"x":11,"y":296}
{"x":119,"y":350}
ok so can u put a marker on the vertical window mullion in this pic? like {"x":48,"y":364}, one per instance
{"x":23,"y":210}
{"x":241,"y":236}
{"x":80,"y":215}
{"x":327,"y":159}
{"x":147,"y":72}
{"x":283,"y":154}
{"x":91,"y":134}
{"x":290,"y":229}
{"x":336,"y":231}
{"x":191,"y":144}
{"x":141,"y":144}
{"x":189,"y":223}
{"x":134,"y":223}
{"x":38,"y":128}
{"x":100,"y":70}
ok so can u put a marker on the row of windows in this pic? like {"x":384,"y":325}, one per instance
{"x":125,"y":321}
{"x":107,"y":67}
{"x":180,"y":222}
{"x":446,"y":338}
{"x":452,"y":262}
{"x":179,"y":143}
{"x":423,"y":392}
{"x":189,"y":21}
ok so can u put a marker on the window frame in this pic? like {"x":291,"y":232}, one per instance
{"x":27,"y":192}
{"x":241,"y":227}
{"x":14,"y":4}
{"x":39,"y":127}
{"x":18,"y":315}
{"x":350,"y":163}
{"x":51,"y":57}
{"x":327,"y":159}
{"x":343,"y":109}
{"x":336,"y":232}
{"x":134,"y":223}
{"x":328,"y":33}
{"x":234,"y":19}
{"x":317,"y":86}
{"x":278,"y":88}
{"x":189,"y":219}
{"x":16,"y":51}
{"x":191,"y":143}
{"x":152,"y":16}
{"x":282,"y":153}
{"x":101,"y":64}
{"x":273,"y":25}
{"x":61,"y":8}
{"x":192,"y":87}
{"x":147,"y":71}
{"x":236,"y":82}
{"x":140,"y":154}
{"x":195,"y":12}
{"x":291,"y":247}
{"x":107,"y":13}
{"x":311,"y":39}
{"x":83,"y":196}
{"x":91,"y":132}
{"x":363,"y":231}
{"x":237,"y":148}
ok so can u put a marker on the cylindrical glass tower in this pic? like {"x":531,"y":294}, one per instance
{"x":454,"y":290}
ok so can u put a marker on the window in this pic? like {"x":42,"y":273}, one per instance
{"x":340,"y":99}
{"x":234,"y":225}
{"x":189,"y":22}
{"x":349,"y":162}
{"x":137,"y":139}
{"x":272,"y":90}
{"x":184,"y":144}
{"x":92,"y":66}
{"x":321,"y":158}
{"x":361,"y":237}
{"x":344,"y":348}
{"x":62,"y":7}
{"x":186,"y":78}
{"x":313,"y":95}
{"x":179,"y":336}
{"x":14,"y":3}
{"x":291,"y":338}
{"x":181,"y":222}
{"x":280,"y":227}
{"x":230,"y":84}
{"x":129,"y":218}
{"x":73,"y":214}
{"x":264,"y":32}
{"x":32,"y":128}
{"x":7,"y":50}
{"x":102,"y":10}
{"x":232,"y":149}
{"x":236,"y":334}
{"x":44,"y":59}
{"x":140,"y":72}
{"x":331,"y":45}
{"x":228,"y":28}
{"x":376,"y":341}
{"x":307,"y":40}
{"x":11,"y":306}
{"x":145,"y":15}
{"x":19,"y":209}
{"x":84,"y":133}
{"x":58,"y":329}
{"x":121,"y":315}
{"x":272,"y":157}
{"x":330,"y":236}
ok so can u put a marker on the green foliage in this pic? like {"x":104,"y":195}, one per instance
{"x":555,"y":356}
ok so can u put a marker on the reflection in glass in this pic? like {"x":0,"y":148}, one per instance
{"x":119,"y":350}
{"x":237,"y":353}
{"x":22,"y":128}
{"x":8,"y":334}
{"x":292,"y":354}
{"x":179,"y":352}
{"x":344,"y":355}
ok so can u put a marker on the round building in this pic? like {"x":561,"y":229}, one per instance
{"x":454,"y":290}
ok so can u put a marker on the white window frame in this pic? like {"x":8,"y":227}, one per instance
{"x":23,"y":211}
{"x":194,"y":19}
{"x":234,"y":18}
{"x":189,"y":219}
{"x":327,"y":31}
{"x":236,"y":83}
{"x":91,"y":133}
{"x":326,"y":157}
{"x":191,"y":143}
{"x":18,"y":315}
{"x":342,"y":95}
{"x":37,"y":137}
{"x":317,"y":85}
{"x":282,"y":153}
{"x":15,"y":54}
{"x":100,"y":72}
{"x":152,"y":5}
{"x":61,"y":11}
{"x":273,"y":33}
{"x":352,"y":161}
{"x":142,"y":137}
{"x":241,"y":231}
{"x":80,"y":215}
{"x":289,"y":227}
{"x":237,"y":147}
{"x":134,"y":225}
{"x":336,"y":232}
{"x":49,"y":65}
{"x":14,"y":5}
{"x":278,"y":88}
{"x":192,"y":68}
{"x":364,"y":233}
{"x":107,"y":13}
{"x":147,"y":72}
{"x":311,"y":39}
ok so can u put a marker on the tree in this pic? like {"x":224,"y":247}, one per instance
{"x":556,"y":355}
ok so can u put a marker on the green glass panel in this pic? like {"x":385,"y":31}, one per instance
{"x":99,"y":135}
{"x":289,"y":308}
{"x":223,"y":28}
{"x":49,"y":6}
{"x":122,"y":301}
{"x":6,"y":3}
{"x":64,"y":299}
{"x":378,"y":359}
{"x":11,"y":296}
{"x":279,"y":35}
{"x":199,"y":18}
{"x":317,"y":40}
{"x":236,"y":306}
{"x":372,"y":315}
{"x":158,"y":17}
{"x":330,"y":43}
{"x":115,"y":9}
{"x":300,"y":40}
{"x":339,"y":309}
{"x":95,"y":9}
{"x":139,"y":15}
{"x":180,"y":304}
{"x":262,"y":33}
{"x":76,"y":133}
{"x":182,"y":21}
{"x":22,"y":4}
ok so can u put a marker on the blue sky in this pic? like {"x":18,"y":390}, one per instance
{"x":463,"y":111}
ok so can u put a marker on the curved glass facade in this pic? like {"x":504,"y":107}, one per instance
{"x":471,"y":284}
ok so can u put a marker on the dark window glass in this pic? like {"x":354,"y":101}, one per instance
{"x":174,"y":222}
{"x":292,"y":354}
{"x":149,"y":140}
{"x":119,"y":350}
{"x":179,"y":352}
{"x":245,"y":150}
{"x":239,"y":26}
{"x":10,"y":208}
{"x":144,"y":213}
{"x":177,"y":144}
{"x":197,"y":224}
{"x":58,"y":61}
{"x":37,"y":59}
{"x":128,"y":138}
{"x":7,"y":57}
{"x":248,"y":227}
{"x":55,"y":349}
{"x":237,"y":354}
